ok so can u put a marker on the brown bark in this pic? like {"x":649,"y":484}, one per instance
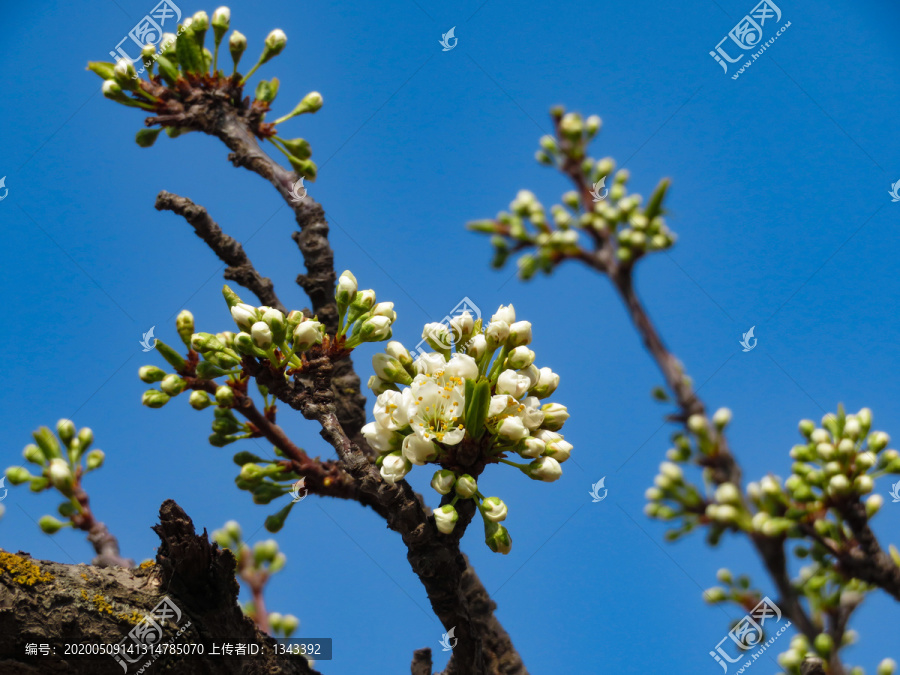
{"x":53,"y":603}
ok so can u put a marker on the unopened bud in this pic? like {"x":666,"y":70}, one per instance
{"x":445,"y":518}
{"x":153,"y":398}
{"x":49,"y":524}
{"x":443,"y":481}
{"x":95,"y":459}
{"x":466,"y":486}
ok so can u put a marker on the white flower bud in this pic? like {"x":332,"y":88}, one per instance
{"x":820,"y":436}
{"x":559,"y":450}
{"x":497,"y":332}
{"x":399,"y":352}
{"x":519,"y":334}
{"x":275,"y":42}
{"x":375,"y":329}
{"x":261,"y":334}
{"x":346,"y":288}
{"x":385,"y":309}
{"x":394,"y":467}
{"x":722,"y":418}
{"x":532,"y":447}
{"x":546,"y":469}
{"x":672,"y":471}
{"x":852,"y":427}
{"x":863,"y":484}
{"x":511,"y":383}
{"x":477,"y":346}
{"x":437,"y":335}
{"x":697,"y":424}
{"x":727,"y":493}
{"x":445,"y":518}
{"x":60,"y":475}
{"x":505,"y":313}
{"x":244,"y":316}
{"x":494,"y":509}
{"x":874,"y":504}
{"x":555,"y":415}
{"x":520,"y":357}
{"x":839,"y":484}
{"x":380,"y":439}
{"x":466,"y":486}
{"x":390,"y":369}
{"x":443,"y":481}
{"x":306,"y":334}
{"x":547,"y":383}
{"x":462,"y":326}
{"x":512,"y":428}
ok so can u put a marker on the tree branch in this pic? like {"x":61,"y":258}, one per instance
{"x":240,"y":269}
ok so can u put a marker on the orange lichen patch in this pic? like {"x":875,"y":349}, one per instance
{"x":84,"y":576}
{"x":134,"y":618}
{"x":23,"y":571}
{"x":147,"y":564}
{"x":101,"y":604}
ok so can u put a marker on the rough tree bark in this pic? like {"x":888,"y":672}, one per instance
{"x":53,"y":603}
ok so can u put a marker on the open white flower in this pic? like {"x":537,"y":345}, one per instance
{"x":391,"y":409}
{"x":437,"y":397}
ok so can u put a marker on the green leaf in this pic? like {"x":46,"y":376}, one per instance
{"x":298,"y":147}
{"x":244,"y":457}
{"x":305,"y":167}
{"x":147,"y":137}
{"x":188,"y":52}
{"x":47,"y":442}
{"x":102,"y":68}
{"x":478,"y":400}
{"x":167,"y":70}
{"x":174,"y":359}
{"x":654,"y":205}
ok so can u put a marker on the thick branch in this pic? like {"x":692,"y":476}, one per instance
{"x":44,"y":602}
{"x":230,"y":252}
{"x":868,"y":562}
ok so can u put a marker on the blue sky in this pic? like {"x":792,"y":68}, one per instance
{"x":779,"y":196}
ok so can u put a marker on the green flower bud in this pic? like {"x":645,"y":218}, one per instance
{"x":184,"y":324}
{"x":225,"y":396}
{"x":265,"y":551}
{"x":873,"y":505}
{"x":592,"y":125}
{"x":38,"y":484}
{"x":839,"y":484}
{"x":298,"y":147}
{"x":124,"y":74}
{"x":65,"y":429}
{"x":346,"y":289}
{"x":722,"y":418}
{"x":46,"y":440}
{"x":49,"y":524}
{"x":289,"y":624}
{"x":466,"y":486}
{"x":497,"y":537}
{"x":443,"y":481}
{"x":199,"y":400}
{"x":887,"y":667}
{"x":33,"y":454}
{"x":252,"y":472}
{"x":715,"y":595}
{"x":390,"y":369}
{"x":95,"y":459}
{"x":311,"y":103}
{"x":153,"y":398}
{"x":221,"y":19}
{"x":375,"y":329}
{"x":275,"y":43}
{"x":727,"y":493}
{"x":571,"y":126}
{"x":863,"y":484}
{"x":878,"y":441}
{"x":233,"y":530}
{"x":237,"y":44}
{"x":823,"y":644}
{"x":172,"y":385}
{"x":200,"y":24}
{"x":18,"y":475}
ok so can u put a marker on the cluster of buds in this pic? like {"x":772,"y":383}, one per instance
{"x":473,"y":401}
{"x":607,"y":213}
{"x":360,"y":317}
{"x":255,"y":566}
{"x":63,"y":459}
{"x":186,"y":67}
{"x":822,"y":648}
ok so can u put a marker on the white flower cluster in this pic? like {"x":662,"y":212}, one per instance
{"x":465,"y":409}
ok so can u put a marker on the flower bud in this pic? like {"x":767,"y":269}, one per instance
{"x":496,"y":334}
{"x":153,"y":398}
{"x":172,"y":384}
{"x":124,"y":74}
{"x":722,"y":418}
{"x":520,"y":357}
{"x":477,"y":346}
{"x":346,"y":289}
{"x":390,"y":369}
{"x":519,"y":334}
{"x":532,"y":447}
{"x":715,"y":595}
{"x":445,"y":518}
{"x":225,"y":396}
{"x":95,"y":459}
{"x":839,"y":484}
{"x":560,"y":450}
{"x":375,"y":329}
{"x":511,"y":383}
{"x":443,"y":481}
{"x":497,"y":537}
{"x":555,"y":415}
{"x":873,"y":505}
{"x":494,"y":509}
{"x":311,"y":103}
{"x":571,"y":126}
{"x":244,"y":315}
{"x":265,"y":551}
{"x":275,"y":42}
{"x":18,"y":475}
{"x":262,"y":335}
{"x":274,"y":319}
{"x":307,"y":334}
{"x":886,"y":667}
{"x":823,"y":644}
{"x":221,"y":19}
{"x":151,"y":374}
{"x":418,"y":450}
{"x":466,"y":486}
{"x":237,"y":43}
{"x":199,"y":400}
{"x":547,"y":383}
{"x":727,"y":493}
{"x":60,"y":475}
{"x":437,"y":335}
{"x":512,"y":428}
{"x":697,"y":424}
{"x":394,"y":467}
{"x":33,"y":454}
{"x":878,"y":441}
{"x":546,"y":469}
{"x":49,"y":524}
{"x":462,"y":326}
{"x":863,"y":484}
{"x":592,"y":125}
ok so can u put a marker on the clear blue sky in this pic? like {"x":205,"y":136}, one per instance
{"x":779,"y":196}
